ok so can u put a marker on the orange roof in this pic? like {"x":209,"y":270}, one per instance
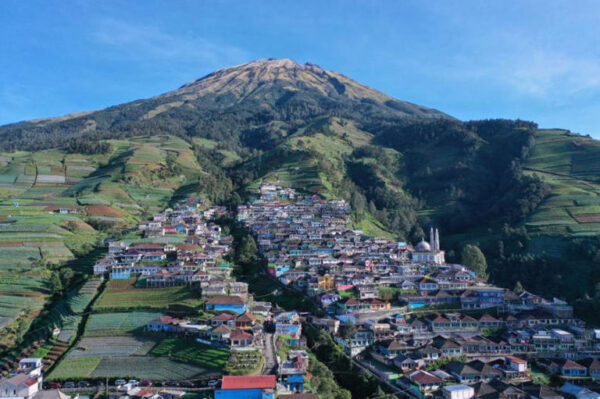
{"x":248,"y":382}
{"x":516,"y":360}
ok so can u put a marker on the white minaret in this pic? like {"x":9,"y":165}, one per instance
{"x":437,"y":240}
{"x":431,"y":239}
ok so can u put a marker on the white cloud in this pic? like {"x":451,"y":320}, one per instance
{"x":543,"y":73}
{"x":150,"y":43}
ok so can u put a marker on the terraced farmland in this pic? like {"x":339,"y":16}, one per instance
{"x":53,"y":205}
{"x":122,"y":294}
{"x":119,"y":323}
{"x":563,"y":160}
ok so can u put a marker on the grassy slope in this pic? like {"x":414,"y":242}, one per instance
{"x":571,"y":165}
{"x":109,"y":190}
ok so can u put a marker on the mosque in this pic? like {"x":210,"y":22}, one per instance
{"x":426,"y":252}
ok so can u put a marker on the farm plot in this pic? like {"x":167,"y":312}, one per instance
{"x":106,"y":324}
{"x":12,"y":305}
{"x":588,"y":218}
{"x":56,"y":253}
{"x":191,"y":351}
{"x":23,"y":284}
{"x":84,"y":296}
{"x":122,"y":294}
{"x":18,"y":256}
{"x":120,"y":346}
{"x":75,"y":368}
{"x":154,"y":368}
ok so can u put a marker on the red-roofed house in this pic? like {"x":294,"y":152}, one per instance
{"x":426,"y":381}
{"x":247,"y":387}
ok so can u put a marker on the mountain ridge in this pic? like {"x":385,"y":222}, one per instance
{"x":270,"y":84}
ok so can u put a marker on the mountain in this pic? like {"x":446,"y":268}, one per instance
{"x":255,"y":104}
{"x":528,"y":197}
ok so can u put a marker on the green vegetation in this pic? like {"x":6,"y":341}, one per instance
{"x":75,"y":368}
{"x":473,"y":258}
{"x":154,"y":368}
{"x":120,"y":323}
{"x":245,"y":362}
{"x":190,"y":351}
{"x":124,"y":295}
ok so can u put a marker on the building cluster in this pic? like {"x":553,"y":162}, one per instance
{"x":256,"y":387}
{"x":25,"y":382}
{"x":181,"y":246}
{"x":418,"y":320}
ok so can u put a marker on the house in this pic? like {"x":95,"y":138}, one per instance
{"x":578,"y":392}
{"x":570,"y":368}
{"x":20,"y":386}
{"x":482,"y":297}
{"x":540,"y":391}
{"x":361,"y":340}
{"x":425,"y":381}
{"x":330,"y":325}
{"x":292,"y":371}
{"x":223,"y":318}
{"x":288,"y":324}
{"x":497,"y":389}
{"x":408,"y":362}
{"x":247,"y":387}
{"x":427,"y":284}
{"x":391,"y":348}
{"x":458,"y":391}
{"x":592,"y":365}
{"x":233,"y":304}
{"x":240,"y":339}
{"x":245,"y":321}
{"x":220,"y":333}
{"x":447,"y":346}
{"x":163,"y":324}
{"x":487,"y":321}
{"x":473,"y":371}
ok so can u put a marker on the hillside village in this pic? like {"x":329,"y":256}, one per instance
{"x":422,"y":326}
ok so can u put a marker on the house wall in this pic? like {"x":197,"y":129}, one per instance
{"x":242,"y":394}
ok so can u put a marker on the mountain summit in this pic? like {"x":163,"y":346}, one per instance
{"x":260,"y":77}
{"x":232,"y":100}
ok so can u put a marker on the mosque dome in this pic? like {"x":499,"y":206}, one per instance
{"x":423,"y":246}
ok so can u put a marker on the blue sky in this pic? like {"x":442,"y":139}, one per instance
{"x":534,"y":60}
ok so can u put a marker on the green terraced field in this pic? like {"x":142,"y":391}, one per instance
{"x":564,"y":161}
{"x":190,"y":351}
{"x":121,"y":294}
{"x":118,"y":323}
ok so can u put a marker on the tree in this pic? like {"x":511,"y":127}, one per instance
{"x":56,"y":286}
{"x":474,"y":259}
{"x":348,"y":331}
{"x":518,"y":288}
{"x":66,"y":276}
{"x":247,"y":250}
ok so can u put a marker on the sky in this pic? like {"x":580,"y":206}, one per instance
{"x":533,"y":60}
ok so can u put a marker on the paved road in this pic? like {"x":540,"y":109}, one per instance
{"x":270,"y":366}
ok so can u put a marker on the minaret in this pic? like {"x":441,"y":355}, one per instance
{"x":437,"y":240}
{"x":431,"y":238}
